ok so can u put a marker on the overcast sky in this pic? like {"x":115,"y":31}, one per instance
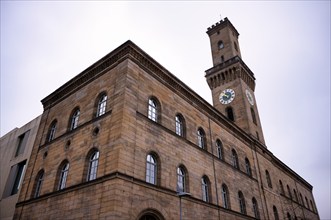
{"x":286,"y":45}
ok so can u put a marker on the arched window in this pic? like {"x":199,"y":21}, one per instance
{"x":74,"y":119}
{"x":248,"y":167}
{"x":301,"y":199}
{"x":51,"y":131}
{"x":255,"y":208}
{"x":201,"y":138}
{"x":307,"y":202}
{"x":153,"y":109}
{"x":225,"y":197}
{"x":253,"y":116}
{"x":295,"y":195}
{"x":275,"y":213}
{"x":93,"y":166}
{"x":229,"y":113}
{"x":268,"y":178}
{"x":281,"y":188}
{"x":64,"y":169}
{"x":235,"y":46}
{"x":219,"y":149}
{"x":289,"y":191}
{"x":205,"y":186}
{"x":38,"y":184}
{"x":150,"y":214}
{"x":220,"y":44}
{"x":289,"y":216}
{"x":312,"y":206}
{"x":242,"y":203}
{"x":180,"y":125}
{"x":102,"y":103}
{"x":181,"y":179}
{"x":235,"y":161}
{"x":151,"y":169}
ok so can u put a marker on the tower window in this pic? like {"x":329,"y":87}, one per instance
{"x":220,"y":45}
{"x":222,"y":59}
{"x":235,"y":46}
{"x":229,"y":113}
{"x":253,"y":116}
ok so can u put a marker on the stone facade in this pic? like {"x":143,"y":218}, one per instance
{"x":138,"y":122}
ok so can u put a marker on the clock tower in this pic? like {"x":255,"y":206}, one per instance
{"x":231,"y":82}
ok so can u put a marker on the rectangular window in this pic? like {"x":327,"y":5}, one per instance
{"x":22,"y":139}
{"x":15,"y":179}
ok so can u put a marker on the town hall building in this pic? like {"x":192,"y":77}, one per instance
{"x":126,"y":139}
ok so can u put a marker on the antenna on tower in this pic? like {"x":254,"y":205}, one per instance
{"x":221,"y":17}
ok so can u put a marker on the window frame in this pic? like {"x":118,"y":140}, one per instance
{"x":242,"y":203}
{"x":51,"y":131}
{"x":282,"y":191}
{"x":220,"y":45}
{"x":205,"y":188}
{"x":153,"y":112}
{"x":289,"y":191}
{"x":201,"y":135}
{"x":93,"y":165}
{"x":235,"y":160}
{"x":269,"y":183}
{"x":101,"y":104}
{"x":38,"y":183}
{"x":182,"y":179}
{"x":275,"y":211}
{"x":248,"y":167}
{"x":255,"y":208}
{"x":63,"y":175}
{"x":219,"y":149}
{"x":74,"y":119}
{"x":225,"y":196}
{"x":149,"y":165}
{"x":180,"y":125}
{"x":230,"y":113}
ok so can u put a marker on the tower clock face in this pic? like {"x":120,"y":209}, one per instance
{"x":249,"y":97}
{"x":227,"y":96}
